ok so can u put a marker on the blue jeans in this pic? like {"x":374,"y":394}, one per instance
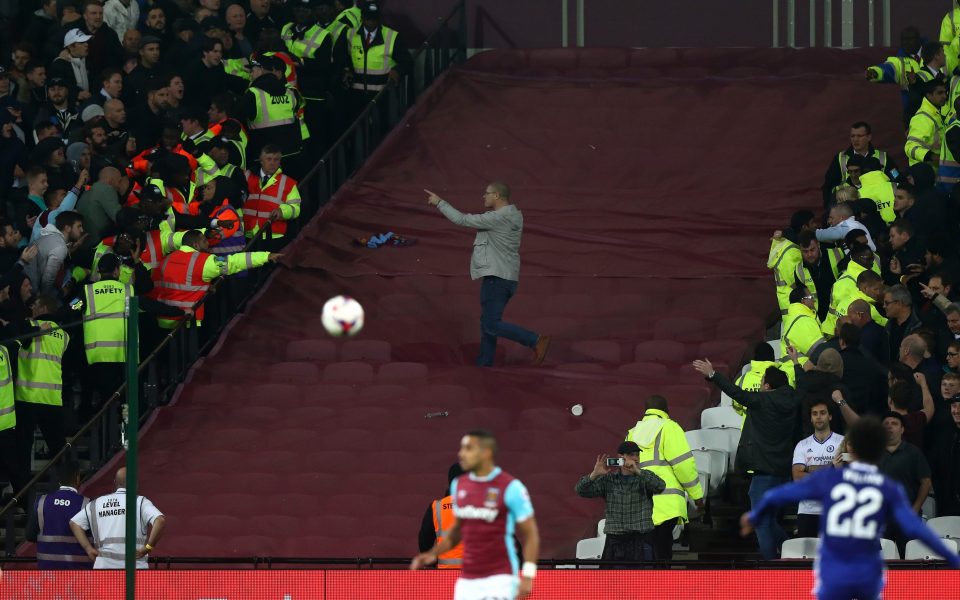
{"x":495,"y":292}
{"x":769,"y":533}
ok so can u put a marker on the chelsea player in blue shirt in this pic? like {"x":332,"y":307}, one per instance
{"x":858,"y":501}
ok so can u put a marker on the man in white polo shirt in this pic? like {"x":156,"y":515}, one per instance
{"x":812,"y":453}
{"x":105,"y":518}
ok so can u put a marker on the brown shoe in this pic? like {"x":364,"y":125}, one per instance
{"x":540,"y":350}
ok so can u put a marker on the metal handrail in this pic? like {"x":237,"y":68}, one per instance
{"x":557,"y":563}
{"x":264,"y":233}
{"x":119,"y":393}
{"x":345,"y":138}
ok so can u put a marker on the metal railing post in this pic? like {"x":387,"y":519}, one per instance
{"x":887,"y":39}
{"x":776,"y":24}
{"x":871,"y":24}
{"x":791,"y":23}
{"x":846,"y":23}
{"x":828,"y":23}
{"x":813,"y":23}
{"x":564,"y":23}
{"x":581,"y":26}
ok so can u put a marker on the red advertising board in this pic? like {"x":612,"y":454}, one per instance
{"x":428,"y":585}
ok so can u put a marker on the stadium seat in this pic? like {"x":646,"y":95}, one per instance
{"x":566,"y":305}
{"x":680,"y":329}
{"x":604,"y":351}
{"x":553,"y":418}
{"x":889,"y":549}
{"x":730,"y":436}
{"x":660,"y":350}
{"x":799,"y":548}
{"x":945,"y":527}
{"x":590,"y":548}
{"x":777,"y":350}
{"x":348,"y":372}
{"x":297,"y":373}
{"x":381,"y":394}
{"x":394,"y":372}
{"x":725,"y":400}
{"x":582,"y":367}
{"x":929,"y":508}
{"x":728,"y":351}
{"x":443,"y":396}
{"x":712,"y":463}
{"x":745,"y":328}
{"x":917,"y":550}
{"x":645,"y":370}
{"x":401,"y":305}
{"x":371,"y":350}
{"x":720,"y":417}
{"x":312,"y":350}
{"x":600,"y":524}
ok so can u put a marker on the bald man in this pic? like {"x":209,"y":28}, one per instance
{"x":105,"y":517}
{"x":100,"y":204}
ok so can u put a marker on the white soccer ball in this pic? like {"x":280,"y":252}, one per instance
{"x":342,"y":316}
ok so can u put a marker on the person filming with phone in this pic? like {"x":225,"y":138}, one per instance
{"x":628,"y":491}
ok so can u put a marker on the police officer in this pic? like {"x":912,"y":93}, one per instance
{"x":49,"y":524}
{"x":270,"y":108}
{"x":106,"y":518}
{"x":437,"y":521}
{"x":665,"y":452}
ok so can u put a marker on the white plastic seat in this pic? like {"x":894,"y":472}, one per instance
{"x":600,"y":525}
{"x":720,"y":417}
{"x":799,"y":548}
{"x":590,"y":548}
{"x":929,"y":509}
{"x":945,"y":527}
{"x":775,"y":344}
{"x":713,"y":464}
{"x":725,"y":400}
{"x":889,"y":549}
{"x":708,"y":439}
{"x":917,"y":550}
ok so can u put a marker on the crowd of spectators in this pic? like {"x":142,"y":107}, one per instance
{"x":868,"y":296}
{"x":135,"y":134}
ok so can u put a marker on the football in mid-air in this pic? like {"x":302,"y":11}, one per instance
{"x":342,"y":316}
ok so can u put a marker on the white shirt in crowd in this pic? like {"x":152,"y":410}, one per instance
{"x":814,"y":453}
{"x":105,"y":518}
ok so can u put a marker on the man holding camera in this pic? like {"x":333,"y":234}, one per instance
{"x":628,"y":491}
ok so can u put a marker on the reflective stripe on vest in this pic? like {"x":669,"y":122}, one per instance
{"x":372,"y":64}
{"x":452,"y":559}
{"x":179,"y":282}
{"x":259,"y":204}
{"x":816,"y":343}
{"x":40,"y":372}
{"x":104,"y":321}
{"x":949,"y":172}
{"x":267,"y":116}
{"x":153,"y":253}
{"x":845,"y":158}
{"x":8,"y":412}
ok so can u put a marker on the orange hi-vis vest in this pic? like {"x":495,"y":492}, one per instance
{"x":140,"y":164}
{"x":261,"y":203}
{"x":179,"y":281}
{"x":152,"y":252}
{"x":442,"y":523}
{"x":181,"y":204}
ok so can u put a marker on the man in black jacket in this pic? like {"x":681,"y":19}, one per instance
{"x":770,"y":432}
{"x":862,"y":375}
{"x":946,"y":463}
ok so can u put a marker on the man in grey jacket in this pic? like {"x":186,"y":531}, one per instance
{"x":48,"y":273}
{"x":496,"y":260}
